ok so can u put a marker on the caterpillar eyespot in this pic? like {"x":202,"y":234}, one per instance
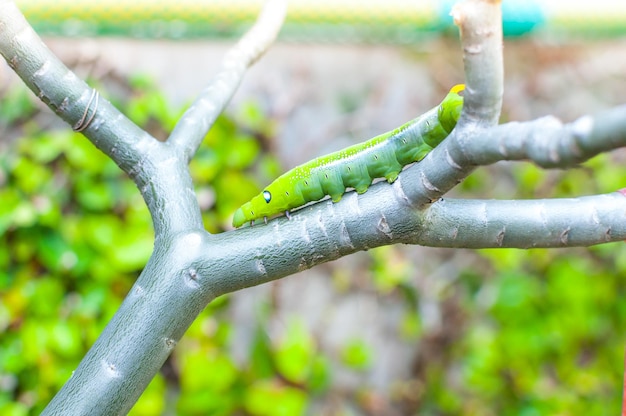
{"x":383,"y":156}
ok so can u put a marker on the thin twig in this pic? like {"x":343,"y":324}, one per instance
{"x":198,"y":119}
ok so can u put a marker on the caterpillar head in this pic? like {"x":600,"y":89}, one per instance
{"x":450,"y":108}
{"x":271,"y":201}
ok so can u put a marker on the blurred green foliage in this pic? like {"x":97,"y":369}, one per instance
{"x":357,"y":355}
{"x":75,"y":234}
{"x":534,"y":332}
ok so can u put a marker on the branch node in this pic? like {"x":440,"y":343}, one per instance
{"x":82,"y":124}
{"x":451,"y":160}
{"x":170,"y":343}
{"x":260,"y":266}
{"x":344,"y":236}
{"x":428,"y":184}
{"x":191,"y":278}
{"x":500,"y":237}
{"x":111,"y":369}
{"x":383,"y":227}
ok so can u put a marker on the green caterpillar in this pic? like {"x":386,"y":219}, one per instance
{"x":356,"y":166}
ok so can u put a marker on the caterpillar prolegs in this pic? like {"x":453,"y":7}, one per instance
{"x":356,"y":166}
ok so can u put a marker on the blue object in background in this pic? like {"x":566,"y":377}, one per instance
{"x":519,"y":17}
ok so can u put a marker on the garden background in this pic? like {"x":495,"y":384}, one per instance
{"x":396,"y":330}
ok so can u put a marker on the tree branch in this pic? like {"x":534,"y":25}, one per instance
{"x":480,"y":24}
{"x":549,"y":143}
{"x":67,"y":95}
{"x":326,"y":231}
{"x":198,"y":119}
{"x":171,"y":291}
{"x":559,"y":222}
{"x":166,"y":298}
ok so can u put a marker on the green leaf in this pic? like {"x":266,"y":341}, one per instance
{"x":243,"y":152}
{"x":321,"y":374}
{"x":83,"y":156}
{"x":55,"y":253}
{"x":45,"y":295}
{"x":65,"y":339}
{"x":357,"y":355}
{"x":11,"y":201}
{"x":295,"y":353}
{"x":207,"y":372}
{"x":47,"y":147}
{"x":205,"y":166}
{"x":13,"y":409}
{"x":410,"y":326}
{"x":268,"y":398}
{"x":133,"y":250}
{"x":94,"y":195}
{"x":261,"y":355}
{"x":17,"y":104}
{"x":391,"y":268}
{"x":152,"y":400}
{"x":30,"y":176}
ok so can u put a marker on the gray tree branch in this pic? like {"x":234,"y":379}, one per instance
{"x":198,"y":119}
{"x":548,"y":142}
{"x":559,"y":222}
{"x":480,"y":25}
{"x":67,"y":95}
{"x":326,"y":231}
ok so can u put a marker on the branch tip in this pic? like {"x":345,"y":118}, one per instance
{"x":199,"y":118}
{"x":457,"y":15}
